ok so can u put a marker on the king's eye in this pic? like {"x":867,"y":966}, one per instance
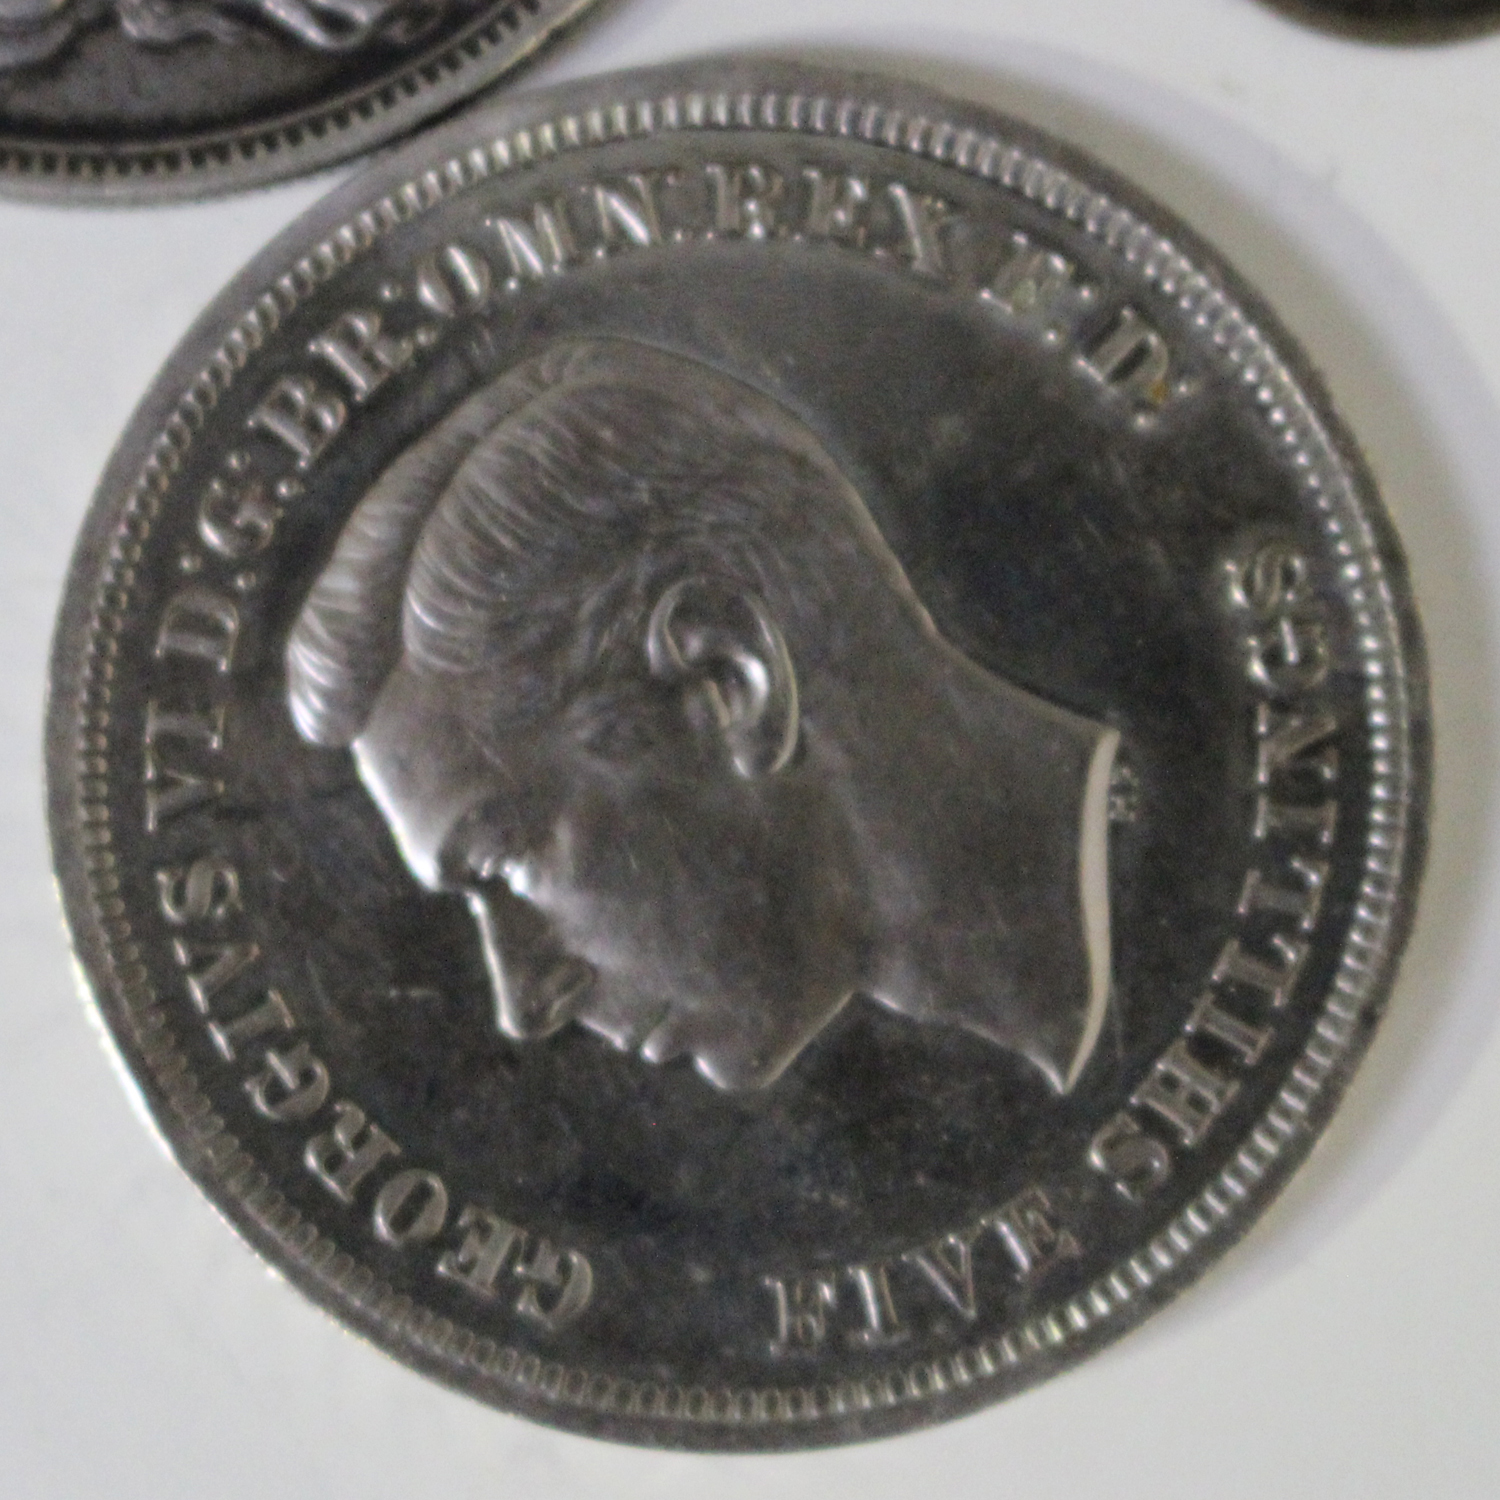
{"x":618,"y":724}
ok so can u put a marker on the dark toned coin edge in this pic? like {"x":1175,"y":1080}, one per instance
{"x":1463,"y":23}
{"x":746,"y":95}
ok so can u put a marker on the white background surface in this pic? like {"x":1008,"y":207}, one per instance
{"x":1348,"y":1349}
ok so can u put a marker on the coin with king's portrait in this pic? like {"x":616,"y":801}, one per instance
{"x":739,"y":755}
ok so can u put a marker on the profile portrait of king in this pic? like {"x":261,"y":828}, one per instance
{"x":625,"y":664}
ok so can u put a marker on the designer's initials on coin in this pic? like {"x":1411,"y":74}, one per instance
{"x":739,"y":756}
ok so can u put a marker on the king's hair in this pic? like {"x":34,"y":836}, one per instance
{"x":530,"y":533}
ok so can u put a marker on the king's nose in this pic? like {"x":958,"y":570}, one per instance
{"x":537,"y":987}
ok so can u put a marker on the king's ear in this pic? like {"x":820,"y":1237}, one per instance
{"x":721,"y":643}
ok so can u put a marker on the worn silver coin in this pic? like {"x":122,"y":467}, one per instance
{"x":142,"y":100}
{"x":738,"y":755}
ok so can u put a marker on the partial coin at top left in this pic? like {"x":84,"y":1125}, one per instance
{"x":141,"y":100}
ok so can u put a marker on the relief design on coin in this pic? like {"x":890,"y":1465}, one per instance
{"x":738,"y":755}
{"x":623,"y":658}
{"x":132,"y":100}
{"x":32,"y":30}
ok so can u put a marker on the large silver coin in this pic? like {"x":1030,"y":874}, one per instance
{"x":738,"y":755}
{"x":133,"y":100}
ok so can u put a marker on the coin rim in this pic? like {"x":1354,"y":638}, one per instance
{"x":733,"y":94}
